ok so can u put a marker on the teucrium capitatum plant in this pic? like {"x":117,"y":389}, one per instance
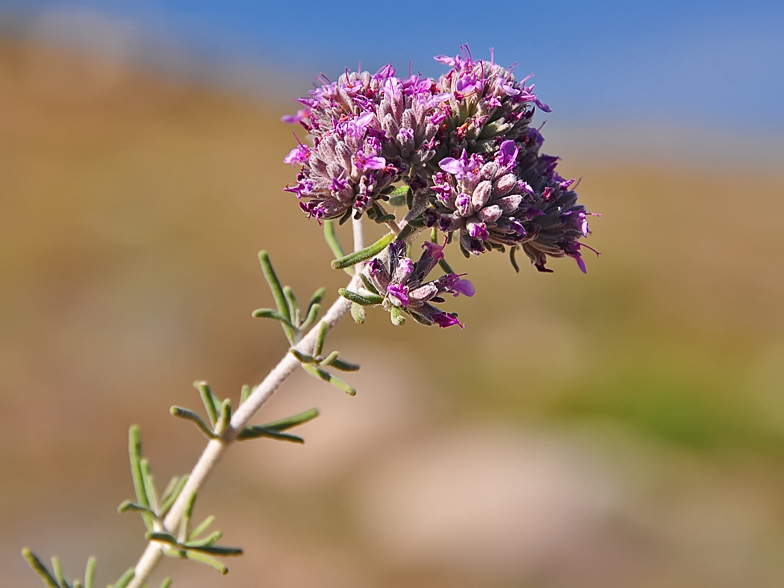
{"x":455,"y":158}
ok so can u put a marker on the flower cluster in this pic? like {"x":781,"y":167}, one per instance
{"x":368,"y":131}
{"x":462,"y":144}
{"x":400,"y":282}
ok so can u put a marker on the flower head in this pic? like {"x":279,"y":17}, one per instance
{"x":554,"y":221}
{"x":481,"y":198}
{"x":462,"y":144}
{"x":402,"y":284}
{"x":487,"y":104}
{"x":368,"y":131}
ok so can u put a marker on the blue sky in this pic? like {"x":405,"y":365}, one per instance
{"x":713,"y":65}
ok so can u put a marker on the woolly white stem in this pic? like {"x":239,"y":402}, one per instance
{"x":359,"y":239}
{"x":261,"y":393}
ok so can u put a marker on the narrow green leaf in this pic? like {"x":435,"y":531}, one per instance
{"x":363,"y":254}
{"x":292,"y":421}
{"x":344,"y":366}
{"x":322,"y":335}
{"x":368,"y":284}
{"x":167,"y":581}
{"x":311,"y":318}
{"x":161,"y":536}
{"x":331,"y":238}
{"x":135,"y":451}
{"x":201,"y":528}
{"x":149,"y":484}
{"x":206,"y":559}
{"x":125,"y":579}
{"x":363,"y":299}
{"x":291,"y":302}
{"x":272,"y":314}
{"x":189,"y":415}
{"x":169,"y":551}
{"x":317,"y":297}
{"x":301,"y":357}
{"x":89,"y":572}
{"x":169,"y":489}
{"x":209,"y":540}
{"x":58,"y":573}
{"x":327,"y":377}
{"x":39,"y":568}
{"x":346,"y":216}
{"x":209,"y":399}
{"x":225,"y":417}
{"x":396,"y":316}
{"x":127,"y":505}
{"x":274,"y":284}
{"x":358,"y":313}
{"x":329,"y":359}
{"x":185,"y":520}
{"x":219,"y":550}
{"x":277,"y":294}
{"x":167,"y":502}
{"x":255,"y":432}
{"x":445,"y":266}
{"x":380,"y":215}
{"x":244,"y":393}
{"x":406,"y":233}
{"x":512,"y":251}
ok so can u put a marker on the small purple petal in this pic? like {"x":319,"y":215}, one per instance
{"x":294,"y":118}
{"x":542,"y":106}
{"x":364,"y":162}
{"x":445,"y":59}
{"x":465,"y":287}
{"x":443,"y":319}
{"x":300,"y":154}
{"x":434,"y":250}
{"x":453,"y":283}
{"x":399,"y":293}
{"x":451,"y":165}
{"x":580,"y":263}
{"x":507,"y":154}
{"x":478,"y":231}
{"x":463,"y":205}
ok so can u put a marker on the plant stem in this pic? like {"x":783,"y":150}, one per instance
{"x":359,"y":239}
{"x":214,"y":451}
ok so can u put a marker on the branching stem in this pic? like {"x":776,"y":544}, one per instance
{"x":214,"y":451}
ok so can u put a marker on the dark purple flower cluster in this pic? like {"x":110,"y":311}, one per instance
{"x":402,"y":284}
{"x":368,"y":132}
{"x":465,"y":147}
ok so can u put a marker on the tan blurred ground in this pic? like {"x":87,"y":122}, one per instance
{"x":620,"y":429}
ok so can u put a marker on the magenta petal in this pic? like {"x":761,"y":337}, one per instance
{"x":451,"y":165}
{"x":443,"y":319}
{"x":434,"y":249}
{"x":400,"y":293}
{"x":464,"y":287}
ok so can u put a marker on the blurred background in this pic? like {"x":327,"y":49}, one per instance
{"x":623,"y":428}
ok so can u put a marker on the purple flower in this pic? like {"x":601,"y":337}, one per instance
{"x":480,"y":198}
{"x":465,"y":147}
{"x":299,"y":155}
{"x":555,"y":222}
{"x":402,"y":284}
{"x":487,"y":103}
{"x":369,"y":131}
